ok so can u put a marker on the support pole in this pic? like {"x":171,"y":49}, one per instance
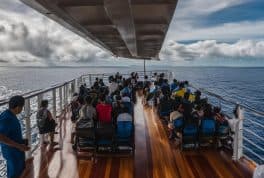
{"x":54,"y":103}
{"x":238,"y":137}
{"x":28,"y":126}
{"x":144,"y":68}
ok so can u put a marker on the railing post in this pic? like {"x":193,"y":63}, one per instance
{"x":60,"y":95}
{"x":40,"y":98}
{"x":76,"y":86}
{"x":238,"y":137}
{"x":90,"y":80}
{"x":66,"y":94}
{"x":54,"y":98}
{"x":28,"y":126}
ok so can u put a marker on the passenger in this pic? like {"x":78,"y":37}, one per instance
{"x":219,"y":117}
{"x":101,"y":83}
{"x":126,"y":90}
{"x":117,"y":108}
{"x":165,"y":107}
{"x":87,"y":111}
{"x":197,"y":100}
{"x":12,"y":143}
{"x":46,"y":124}
{"x":173,"y":85}
{"x":175,"y":114}
{"x":165,"y":87}
{"x":180,"y":92}
{"x":104,"y":111}
{"x":113,"y":86}
{"x":187,"y":106}
{"x":75,"y":107}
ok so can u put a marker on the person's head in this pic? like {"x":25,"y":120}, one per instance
{"x":145,"y":77}
{"x":16,"y":104}
{"x":75,"y":94}
{"x":88,"y":100}
{"x":181,"y":85}
{"x":102,"y":98}
{"x":186,"y":95}
{"x":175,"y":81}
{"x":217,"y":109}
{"x":208,"y":111}
{"x":44,"y":103}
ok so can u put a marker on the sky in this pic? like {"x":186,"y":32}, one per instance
{"x":202,"y":33}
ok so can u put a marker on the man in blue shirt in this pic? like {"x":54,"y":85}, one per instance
{"x":11,"y":140}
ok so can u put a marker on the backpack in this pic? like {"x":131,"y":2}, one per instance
{"x":42,"y":117}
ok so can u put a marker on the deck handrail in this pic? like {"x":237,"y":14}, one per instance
{"x":248,"y":108}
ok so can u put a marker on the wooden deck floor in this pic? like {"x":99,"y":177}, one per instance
{"x":155,"y":157}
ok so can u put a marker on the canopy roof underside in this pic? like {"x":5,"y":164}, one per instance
{"x":125,"y":28}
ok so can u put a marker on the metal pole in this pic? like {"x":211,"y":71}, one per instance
{"x":144,"y":68}
{"x":238,"y":137}
{"x":40,"y":98}
{"x":54,"y":98}
{"x":28,"y":126}
{"x":60,"y":94}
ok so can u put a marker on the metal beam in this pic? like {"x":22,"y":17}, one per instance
{"x":119,"y":11}
{"x":67,"y":3}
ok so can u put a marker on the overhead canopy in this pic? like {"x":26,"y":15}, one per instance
{"x":125,"y":28}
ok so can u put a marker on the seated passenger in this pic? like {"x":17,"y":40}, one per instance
{"x":173,"y":85}
{"x":165,"y":106}
{"x":165,"y":87}
{"x":87,"y":111}
{"x":174,"y":115}
{"x":104,"y":111}
{"x":187,"y":106}
{"x":180,"y":92}
{"x":126,"y":90}
{"x":124,"y":125}
{"x":117,"y":108}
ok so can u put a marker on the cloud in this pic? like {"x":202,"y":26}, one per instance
{"x":212,"y":49}
{"x":28,"y":37}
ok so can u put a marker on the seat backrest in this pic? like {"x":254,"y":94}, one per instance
{"x":208,"y":125}
{"x":178,"y":123}
{"x":124,"y":129}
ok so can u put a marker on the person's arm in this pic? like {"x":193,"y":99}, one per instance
{"x":11,"y":143}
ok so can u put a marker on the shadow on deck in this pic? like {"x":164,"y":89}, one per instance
{"x":154,"y":156}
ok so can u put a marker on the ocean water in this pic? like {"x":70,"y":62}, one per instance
{"x":243,"y":85}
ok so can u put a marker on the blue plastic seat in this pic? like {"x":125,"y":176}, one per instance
{"x":208,"y":126}
{"x":124,"y":129}
{"x":190,"y":130}
{"x":178,"y":123}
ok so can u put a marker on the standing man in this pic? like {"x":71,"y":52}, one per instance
{"x":11,"y":140}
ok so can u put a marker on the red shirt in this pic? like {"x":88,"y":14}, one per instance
{"x":104,"y":112}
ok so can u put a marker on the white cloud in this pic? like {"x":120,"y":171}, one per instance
{"x":212,"y":49}
{"x":28,"y":37}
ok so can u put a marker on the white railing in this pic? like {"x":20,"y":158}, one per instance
{"x":58,"y":96}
